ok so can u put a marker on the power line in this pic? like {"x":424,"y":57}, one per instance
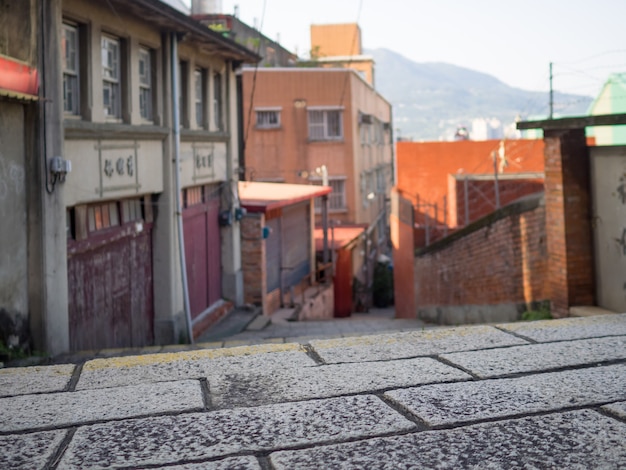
{"x":256,"y":69}
{"x":354,"y":38}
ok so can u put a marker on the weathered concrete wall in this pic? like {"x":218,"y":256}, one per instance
{"x":18,"y":30}
{"x":485,"y":271}
{"x":13,"y":227}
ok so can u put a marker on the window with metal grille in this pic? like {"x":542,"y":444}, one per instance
{"x":131,"y":210}
{"x":103,"y":216}
{"x":337,"y":198}
{"x":325,"y":124}
{"x":111,"y":77}
{"x":217,"y":101}
{"x":145,"y":84}
{"x":198,"y":76}
{"x":268,"y":119}
{"x":70,"y":58}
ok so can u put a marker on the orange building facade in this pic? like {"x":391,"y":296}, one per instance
{"x":301,"y":119}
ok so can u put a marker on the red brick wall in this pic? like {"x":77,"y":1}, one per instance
{"x":401,"y":224}
{"x":481,"y":196}
{"x":499,"y":259}
{"x":567,"y":183}
{"x":253,"y":259}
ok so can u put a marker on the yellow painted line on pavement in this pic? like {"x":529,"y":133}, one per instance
{"x":62,"y":369}
{"x":403,"y":337}
{"x":165,"y":358}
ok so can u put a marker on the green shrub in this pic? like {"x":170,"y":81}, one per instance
{"x":541,"y":314}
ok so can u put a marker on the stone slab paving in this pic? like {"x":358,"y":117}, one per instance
{"x":36,"y":379}
{"x":618,"y":409}
{"x":581,"y":439}
{"x":232,"y":463}
{"x":120,"y":371}
{"x":168,"y":439}
{"x":468,"y":397}
{"x":412,"y":344}
{"x":29,"y":412}
{"x":570,"y":328}
{"x":295,"y":383}
{"x":29,"y":451}
{"x":540,"y":357}
{"x":448,"y":404}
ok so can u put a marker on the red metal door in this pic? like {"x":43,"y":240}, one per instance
{"x":196,"y":259}
{"x":203,"y":253}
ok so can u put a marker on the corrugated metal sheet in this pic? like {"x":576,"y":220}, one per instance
{"x":273,"y":247}
{"x":296,"y":234}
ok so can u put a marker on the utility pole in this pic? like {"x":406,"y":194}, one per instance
{"x":551,"y":94}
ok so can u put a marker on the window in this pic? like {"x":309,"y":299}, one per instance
{"x":267,"y":118}
{"x":131,"y":210}
{"x":198,"y":76}
{"x":217,"y":101}
{"x":381,"y":186}
{"x":71,"y":98}
{"x":102,"y":216}
{"x":183,"y":94}
{"x":325,"y":124}
{"x":111,"y":76}
{"x":337,"y":198}
{"x":145,"y":84}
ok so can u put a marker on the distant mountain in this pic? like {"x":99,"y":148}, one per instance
{"x":430,"y":100}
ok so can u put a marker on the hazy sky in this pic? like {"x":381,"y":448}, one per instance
{"x":513,"y":40}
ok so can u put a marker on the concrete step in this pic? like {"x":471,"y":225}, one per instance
{"x":589,"y":311}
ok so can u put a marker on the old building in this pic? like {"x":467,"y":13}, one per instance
{"x":137,"y":122}
{"x":303,"y":120}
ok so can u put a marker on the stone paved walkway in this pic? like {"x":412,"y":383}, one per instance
{"x":549,"y":394}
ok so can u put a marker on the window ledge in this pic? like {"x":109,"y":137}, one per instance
{"x":326,"y":141}
{"x":202,"y":135}
{"x":79,"y":129}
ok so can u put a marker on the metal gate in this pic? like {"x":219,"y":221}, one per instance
{"x":608,"y":170}
{"x":202,"y":247}
{"x":273,"y":254}
{"x":296,"y":236}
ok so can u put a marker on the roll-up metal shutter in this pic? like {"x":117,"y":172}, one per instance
{"x":273,"y":254}
{"x":296,"y":234}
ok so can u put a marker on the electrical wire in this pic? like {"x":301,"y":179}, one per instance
{"x":350,"y":60}
{"x":253,"y":90}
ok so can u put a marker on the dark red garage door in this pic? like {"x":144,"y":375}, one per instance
{"x":202,"y":246}
{"x":110,"y":275}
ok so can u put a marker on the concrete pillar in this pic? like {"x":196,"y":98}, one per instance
{"x":169,"y":316}
{"x":232,"y":275}
{"x":253,"y":249}
{"x":568,"y":225}
{"x":48,"y":286}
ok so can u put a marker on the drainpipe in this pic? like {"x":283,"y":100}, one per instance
{"x":179,"y":210}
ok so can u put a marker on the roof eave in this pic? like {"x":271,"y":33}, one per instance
{"x":178,"y":22}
